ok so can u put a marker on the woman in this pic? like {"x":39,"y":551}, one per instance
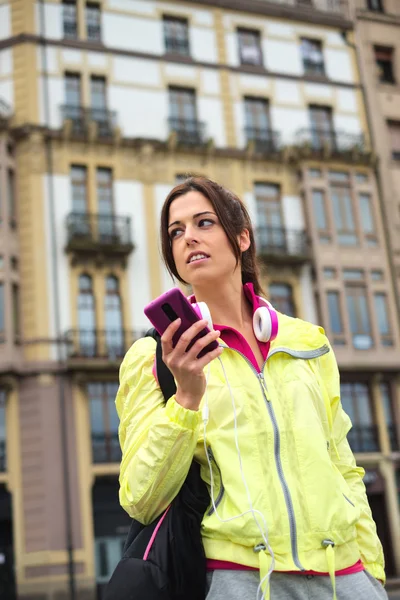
{"x":287,"y":494}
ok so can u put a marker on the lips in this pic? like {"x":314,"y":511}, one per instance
{"x":195,"y":256}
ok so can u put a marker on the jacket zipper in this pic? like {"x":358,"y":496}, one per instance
{"x":284,"y":485}
{"x":222,"y":489}
{"x":307,"y":355}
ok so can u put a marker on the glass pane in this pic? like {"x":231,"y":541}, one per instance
{"x":381,"y":310}
{"x":98,"y":93}
{"x":387,"y":404}
{"x":364,"y":314}
{"x":334,"y":312}
{"x":319,"y":209}
{"x":367,"y":220}
{"x":72,"y":90}
{"x":335,"y":199}
{"x":353,"y":274}
{"x":11,"y":193}
{"x":3,"y":462}
{"x":364,"y":412}
{"x":346,"y":399}
{"x":351,"y":309}
{"x":329,"y":273}
{"x":347,"y":211}
{"x":15,"y":307}
{"x":377,"y":275}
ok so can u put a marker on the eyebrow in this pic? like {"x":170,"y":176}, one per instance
{"x":205,"y":212}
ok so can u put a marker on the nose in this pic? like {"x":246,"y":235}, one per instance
{"x":190,"y":235}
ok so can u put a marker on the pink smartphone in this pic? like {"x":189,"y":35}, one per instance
{"x":173,"y":305}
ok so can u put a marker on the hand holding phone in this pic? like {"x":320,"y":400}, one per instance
{"x":188,"y":345}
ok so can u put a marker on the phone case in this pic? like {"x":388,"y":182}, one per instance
{"x":167,"y":308}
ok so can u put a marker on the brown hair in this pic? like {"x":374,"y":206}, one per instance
{"x":232,"y":215}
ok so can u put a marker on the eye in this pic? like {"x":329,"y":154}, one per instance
{"x":174,"y":233}
{"x":206,"y":222}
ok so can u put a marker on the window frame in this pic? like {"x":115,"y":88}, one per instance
{"x":3,"y":439}
{"x":310,"y":67}
{"x":358,"y":292}
{"x":244,"y":31}
{"x":93,"y":6}
{"x":384,"y":60}
{"x":385,"y":335}
{"x":359,"y":411}
{"x":325,"y":234}
{"x":176,"y":44}
{"x":282,"y":301}
{"x":394,"y":137}
{"x":344,"y":192}
{"x":82,"y":184}
{"x":106,"y":395}
{"x":68,"y":20}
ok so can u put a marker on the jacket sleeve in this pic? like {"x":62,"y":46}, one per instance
{"x":157,"y":440}
{"x":369,"y":544}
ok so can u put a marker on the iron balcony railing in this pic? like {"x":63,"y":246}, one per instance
{"x":94,"y":32}
{"x":177,"y":46}
{"x":338,"y":142}
{"x":364,"y":438}
{"x":334,"y":7}
{"x":80,"y":118}
{"x":88,"y":229}
{"x":70,"y":29}
{"x":264,"y":140}
{"x":106,"y":448}
{"x":3,"y":457}
{"x":111,"y":344}
{"x":282,"y":243}
{"x":190,"y":132}
{"x":312,"y":67}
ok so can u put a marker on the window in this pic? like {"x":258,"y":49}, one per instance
{"x":11,"y":197}
{"x":258,"y":123}
{"x":359,"y":317}
{"x":367,"y":219}
{"x":377,"y":275}
{"x":362,"y":177}
{"x":384,"y":63}
{"x":72,"y":83}
{"x":382,"y":317}
{"x":104,"y":422}
{"x":321,"y":221}
{"x":86,"y":317}
{"x":335,"y":316}
{"x":330,"y":273}
{"x":107,"y":224}
{"x":313,"y":60}
{"x":353,"y":275}
{"x":322,"y":133}
{"x":375,"y":5}
{"x":343,"y":214}
{"x":356,"y":401}
{"x":15,"y":309}
{"x":249,"y":47}
{"x":390,"y":418}
{"x":70,"y":24}
{"x":2,"y":311}
{"x":113,"y":318}
{"x":79,"y":189}
{"x":315,"y":173}
{"x":176,"y":36}
{"x":98,"y":97}
{"x":183,"y":115}
{"x":93,"y":22}
{"x":281,"y":298}
{"x":394,"y":133}
{"x":3,"y":449}
{"x":270,"y":230}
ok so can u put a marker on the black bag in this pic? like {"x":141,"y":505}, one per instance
{"x":175,"y":568}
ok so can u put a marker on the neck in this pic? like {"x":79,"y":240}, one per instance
{"x":227,"y":303}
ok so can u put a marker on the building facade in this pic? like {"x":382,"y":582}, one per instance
{"x":103,"y":107}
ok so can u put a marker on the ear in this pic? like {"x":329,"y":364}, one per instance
{"x":244,"y":240}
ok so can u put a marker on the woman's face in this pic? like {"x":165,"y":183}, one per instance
{"x":200,"y":247}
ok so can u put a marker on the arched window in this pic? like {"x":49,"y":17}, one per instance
{"x":86,"y":317}
{"x":113,"y":318}
{"x":281,"y":298}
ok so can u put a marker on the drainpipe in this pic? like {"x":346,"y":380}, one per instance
{"x":377,"y":173}
{"x":56,"y":308}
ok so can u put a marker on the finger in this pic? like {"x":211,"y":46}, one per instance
{"x":188,"y":335}
{"x":202,"y":343}
{"x":166,"y":338}
{"x":207,"y":358}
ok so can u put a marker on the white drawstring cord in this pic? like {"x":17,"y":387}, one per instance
{"x":254,"y":512}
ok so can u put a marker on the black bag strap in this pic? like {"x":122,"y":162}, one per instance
{"x":165,"y":378}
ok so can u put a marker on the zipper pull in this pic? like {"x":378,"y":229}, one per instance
{"x":264,"y":386}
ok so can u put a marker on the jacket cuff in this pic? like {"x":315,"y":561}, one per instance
{"x":184,"y":417}
{"x":376,"y":571}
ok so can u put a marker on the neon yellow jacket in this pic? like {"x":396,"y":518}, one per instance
{"x":298,"y":465}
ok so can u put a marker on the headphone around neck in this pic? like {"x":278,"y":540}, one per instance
{"x":265,"y":319}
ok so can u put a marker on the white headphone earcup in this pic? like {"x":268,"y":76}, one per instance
{"x":205,"y":313}
{"x":262,"y":324}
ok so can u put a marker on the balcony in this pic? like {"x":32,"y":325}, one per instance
{"x":189,"y":132}
{"x":364,"y":438}
{"x":281,"y":245}
{"x":105,"y":448}
{"x":174,"y":45}
{"x":96,"y":234}
{"x":81,"y":119}
{"x":70,"y":29}
{"x":108,"y":344}
{"x":337,"y":144}
{"x":264,"y":141}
